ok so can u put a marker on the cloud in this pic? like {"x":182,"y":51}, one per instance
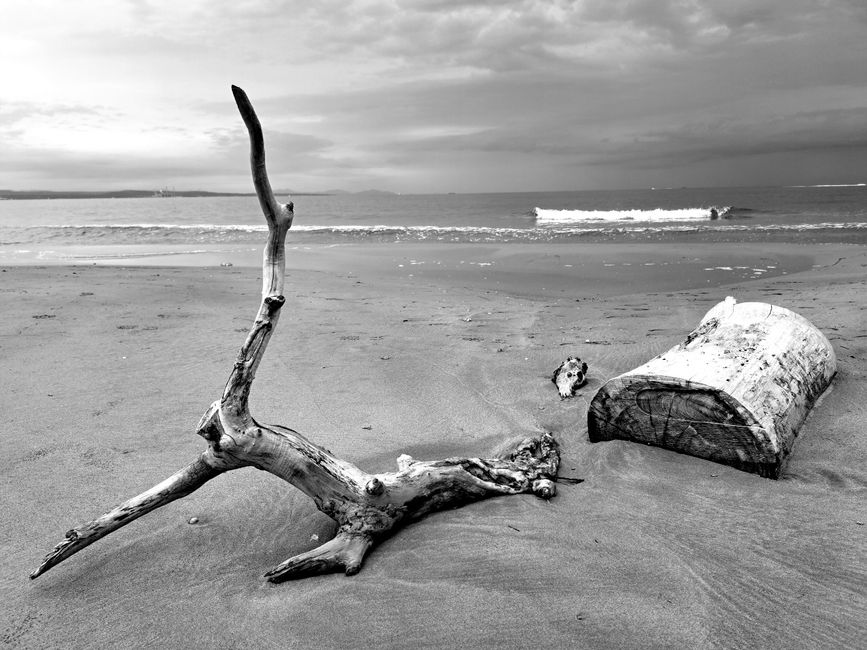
{"x":214,"y":158}
{"x":422,"y":95}
{"x":12,"y":112}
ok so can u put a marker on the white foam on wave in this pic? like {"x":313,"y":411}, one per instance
{"x":544,"y":231}
{"x":835,"y":185}
{"x":658,"y":215}
{"x":155,"y":226}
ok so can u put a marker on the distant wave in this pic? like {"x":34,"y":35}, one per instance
{"x":659,"y":215}
{"x":206,"y":234}
{"x":132,"y":233}
{"x":159,"y":226}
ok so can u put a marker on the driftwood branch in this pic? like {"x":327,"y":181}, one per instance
{"x":366,"y":507}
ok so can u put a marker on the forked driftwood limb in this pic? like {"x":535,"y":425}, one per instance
{"x":367,"y":507}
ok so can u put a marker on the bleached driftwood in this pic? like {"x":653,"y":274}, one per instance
{"x":735,"y":391}
{"x":366,"y":507}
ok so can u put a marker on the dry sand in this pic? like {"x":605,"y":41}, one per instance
{"x":105,"y":372}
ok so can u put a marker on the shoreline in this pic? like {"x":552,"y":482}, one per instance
{"x":107,"y":369}
{"x":526,"y":269}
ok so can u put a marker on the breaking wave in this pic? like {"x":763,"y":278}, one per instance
{"x":659,"y":215}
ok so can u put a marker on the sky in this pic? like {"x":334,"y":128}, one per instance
{"x":433,"y":95}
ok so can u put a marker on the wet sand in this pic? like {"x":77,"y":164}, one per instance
{"x":433,"y":351}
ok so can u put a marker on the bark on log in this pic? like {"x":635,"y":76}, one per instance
{"x":367,"y":507}
{"x":735,"y":391}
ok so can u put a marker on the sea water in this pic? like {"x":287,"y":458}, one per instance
{"x":70,"y":230}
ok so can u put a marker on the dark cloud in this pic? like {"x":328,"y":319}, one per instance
{"x":802,"y":133}
{"x":522,"y":35}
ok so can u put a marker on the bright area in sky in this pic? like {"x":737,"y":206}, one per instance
{"x":433,"y":95}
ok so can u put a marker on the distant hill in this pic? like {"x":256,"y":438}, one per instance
{"x":377,"y":193}
{"x":111,"y":194}
{"x":294,"y":193}
{"x":340,"y":192}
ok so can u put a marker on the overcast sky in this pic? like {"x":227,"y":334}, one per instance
{"x":433,"y":95}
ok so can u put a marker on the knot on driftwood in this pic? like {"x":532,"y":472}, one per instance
{"x":274,"y":303}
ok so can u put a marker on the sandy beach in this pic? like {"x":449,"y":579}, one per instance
{"x":434,"y":351}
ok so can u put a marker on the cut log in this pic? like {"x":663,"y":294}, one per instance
{"x":735,"y":391}
{"x":366,"y":507}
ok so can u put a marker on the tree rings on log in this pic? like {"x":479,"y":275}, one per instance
{"x":735,"y":391}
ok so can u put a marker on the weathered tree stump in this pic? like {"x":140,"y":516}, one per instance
{"x":735,"y":391}
{"x":367,"y":507}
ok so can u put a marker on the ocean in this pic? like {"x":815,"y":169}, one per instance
{"x":134,"y":229}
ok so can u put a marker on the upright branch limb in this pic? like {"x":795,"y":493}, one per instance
{"x":275,"y":213}
{"x":279,"y":218}
{"x":366,"y":507}
{"x":236,"y":395}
